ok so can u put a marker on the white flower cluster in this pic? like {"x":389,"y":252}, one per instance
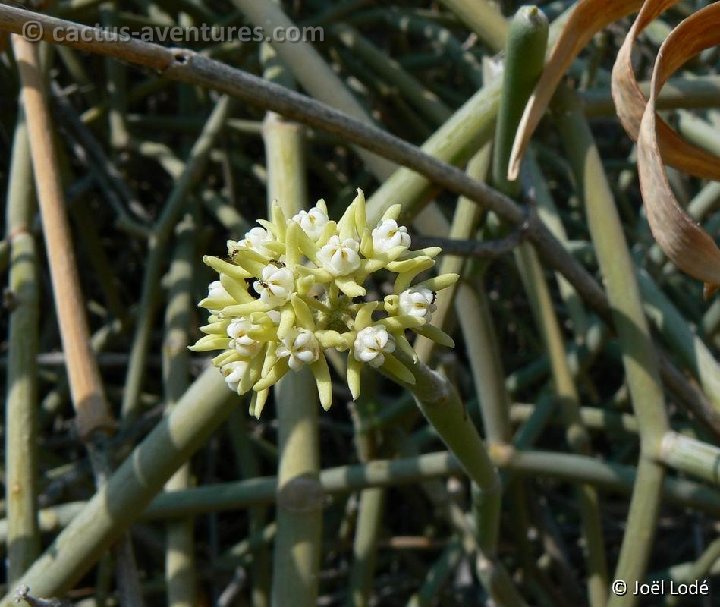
{"x":289,"y":291}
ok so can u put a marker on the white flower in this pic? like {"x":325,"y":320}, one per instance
{"x":255,"y":239}
{"x":217,"y":291}
{"x":417,"y":302}
{"x":277,"y":285}
{"x":371,"y":345}
{"x":312,"y":221}
{"x":303,"y":348}
{"x":389,"y":235}
{"x":340,"y":257}
{"x":274,"y":316}
{"x":234,"y":373}
{"x":240,"y":341}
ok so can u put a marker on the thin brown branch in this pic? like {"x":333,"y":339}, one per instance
{"x":91,"y":409}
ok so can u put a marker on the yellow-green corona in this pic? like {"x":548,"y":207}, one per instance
{"x":293,"y":288}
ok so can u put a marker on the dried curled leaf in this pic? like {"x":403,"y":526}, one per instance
{"x":630,"y":104}
{"x":587,"y":18}
{"x":686,"y":244}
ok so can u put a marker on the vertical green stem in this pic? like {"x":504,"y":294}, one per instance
{"x":299,"y":514}
{"x":117,"y":86}
{"x":180,"y":546}
{"x":369,"y":521}
{"x":524,"y":60}
{"x":23,"y":540}
{"x":639,"y":356}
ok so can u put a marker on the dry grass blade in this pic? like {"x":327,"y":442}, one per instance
{"x":588,"y":18}
{"x":687,"y":245}
{"x":630,"y":105}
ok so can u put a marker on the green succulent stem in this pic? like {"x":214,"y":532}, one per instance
{"x":21,"y":424}
{"x":129,"y":489}
{"x":524,"y":60}
{"x":440,"y":404}
{"x":639,"y":355}
{"x":298,"y":539}
{"x":180,"y":545}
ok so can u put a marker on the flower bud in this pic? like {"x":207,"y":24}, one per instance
{"x":276,"y":287}
{"x":418,"y":302}
{"x":389,"y":235}
{"x":302,"y":348}
{"x":371,"y":345}
{"x":233,"y":372}
{"x":340,"y":257}
{"x":240,"y":341}
{"x":313,"y":221}
{"x":255,"y":239}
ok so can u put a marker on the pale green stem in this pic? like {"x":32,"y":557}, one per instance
{"x":639,"y":356}
{"x":691,"y":456}
{"x":593,"y":418}
{"x":371,"y":506}
{"x":117,"y":503}
{"x":180,"y":545}
{"x":371,"y":502}
{"x":566,"y":467}
{"x":473,"y":313}
{"x":455,"y":141}
{"x":116,"y":86}
{"x":299,"y":514}
{"x":23,"y":541}
{"x":536,"y":186}
{"x":524,"y":58}
{"x":441,"y":405}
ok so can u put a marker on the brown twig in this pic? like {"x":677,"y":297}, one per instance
{"x":91,"y":409}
